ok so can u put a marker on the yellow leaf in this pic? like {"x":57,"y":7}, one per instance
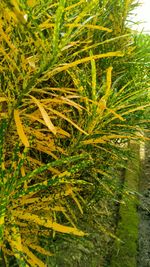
{"x":93,"y":72}
{"x":103,"y":173}
{"x":45,"y":116}
{"x":136,"y":109}
{"x":23,"y":171}
{"x":31,"y":3}
{"x":35,"y":161}
{"x":31,"y":60}
{"x":39,"y":249}
{"x":106,"y":187}
{"x":6,"y":38}
{"x":116,"y":115}
{"x":46,"y":150}
{"x":67,"y":119}
{"x":108,"y":81}
{"x":74,"y":5}
{"x":89,"y":26}
{"x":2,"y":99}
{"x":15,"y":4}
{"x":2,"y":222}
{"x":16,"y":243}
{"x":32,"y":259}
{"x":72,"y":103}
{"x":43,"y":221}
{"x":94,"y":141}
{"x":62,"y":132}
{"x":104,"y":230}
{"x":83,"y":60}
{"x":105,"y":138}
{"x":46,"y":25}
{"x":20,"y":129}
{"x":77,"y":202}
{"x":12,"y":64}
{"x":58,"y":208}
{"x":21,"y":16}
{"x":101,"y":105}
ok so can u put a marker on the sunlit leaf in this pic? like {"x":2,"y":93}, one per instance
{"x":44,"y":115}
{"x":20,"y":129}
{"x":16,"y":244}
{"x":67,"y":119}
{"x":31,"y":3}
{"x":108,"y":81}
{"x":39,"y":249}
{"x":77,"y":202}
{"x":32,"y":258}
{"x":89,"y":26}
{"x":3,"y":99}
{"x":84,"y":60}
{"x":48,"y":223}
{"x":93,"y":72}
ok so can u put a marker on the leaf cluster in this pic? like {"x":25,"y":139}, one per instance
{"x":71,"y":98}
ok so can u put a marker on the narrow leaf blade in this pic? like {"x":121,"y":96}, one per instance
{"x":20,"y":129}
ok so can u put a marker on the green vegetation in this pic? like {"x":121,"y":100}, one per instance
{"x":125,"y":250}
{"x":73,"y":93}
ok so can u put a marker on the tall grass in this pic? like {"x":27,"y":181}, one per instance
{"x":72,"y":94}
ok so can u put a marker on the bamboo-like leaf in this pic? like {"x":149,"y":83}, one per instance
{"x":100,"y":43}
{"x":63,"y":132}
{"x":67,"y":119}
{"x":118,"y":116}
{"x":42,"y":148}
{"x":20,"y":129}
{"x":136,"y":109}
{"x":46,"y":25}
{"x":16,"y":244}
{"x":39,"y":163}
{"x":77,"y":202}
{"x":102,"y":105}
{"x":57,"y":27}
{"x":103,"y":173}
{"x":89,"y":26}
{"x":31,"y":3}
{"x":39,"y":249}
{"x":11,"y":62}
{"x":47,"y":223}
{"x":94,"y":141}
{"x":93,"y":72}
{"x":70,"y":210}
{"x":83,"y":60}
{"x":89,"y":6}
{"x":108,"y":81}
{"x":105,"y":231}
{"x":32,"y":259}
{"x":2,"y":222}
{"x":44,"y":115}
{"x":2,"y":99}
{"x":107,"y":188}
{"x":106,"y":138}
{"x":74,"y":5}
{"x":72,"y":103}
{"x":6,"y":38}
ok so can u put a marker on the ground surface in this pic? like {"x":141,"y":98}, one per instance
{"x":144,"y":212}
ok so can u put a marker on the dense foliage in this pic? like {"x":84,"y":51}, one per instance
{"x":73,"y":90}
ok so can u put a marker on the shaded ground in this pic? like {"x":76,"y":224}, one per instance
{"x":144,"y":212}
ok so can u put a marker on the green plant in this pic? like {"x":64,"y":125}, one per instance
{"x":66,"y":97}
